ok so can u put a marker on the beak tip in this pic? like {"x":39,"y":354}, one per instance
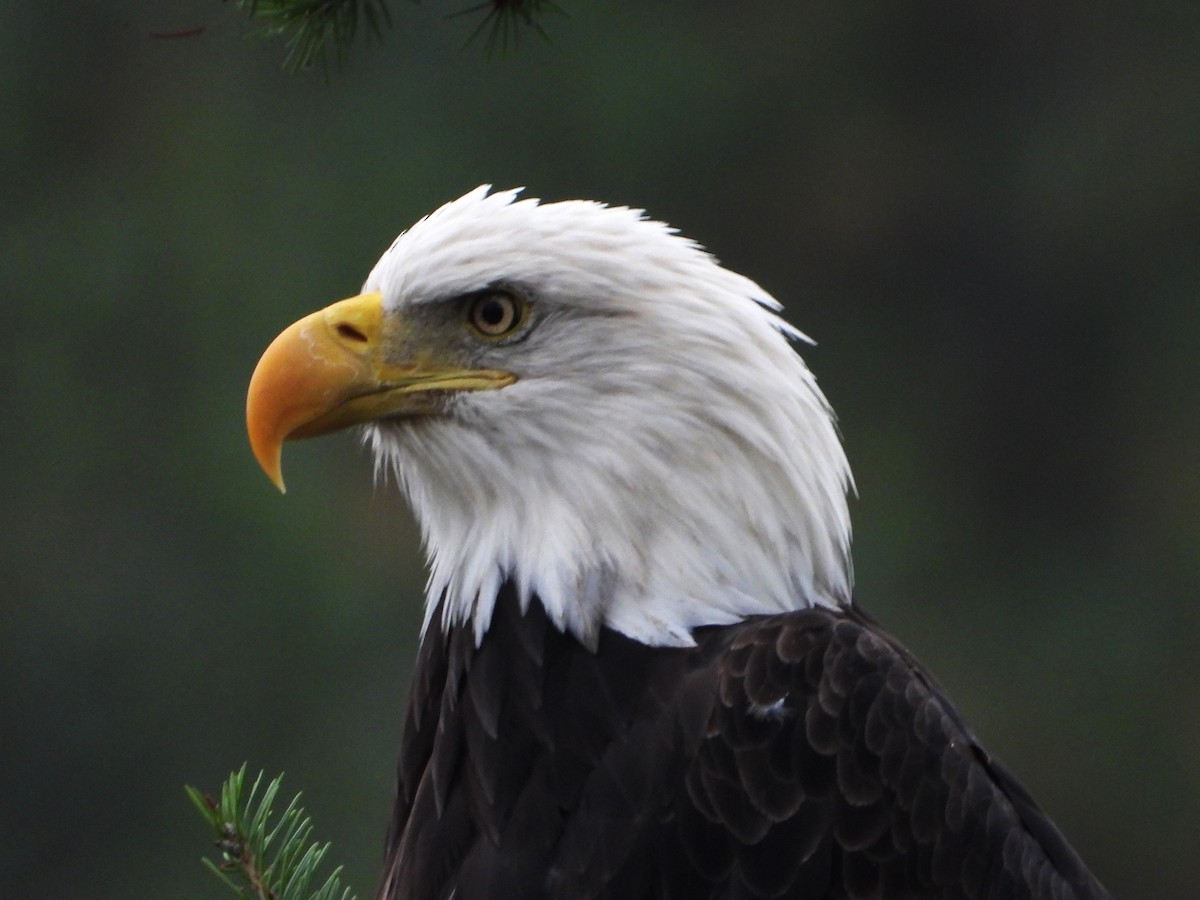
{"x":274,"y":471}
{"x":266,"y":424}
{"x":268,"y":451}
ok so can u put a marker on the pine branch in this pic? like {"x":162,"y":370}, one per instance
{"x":504,"y":21}
{"x":310,"y":26}
{"x":264,"y":858}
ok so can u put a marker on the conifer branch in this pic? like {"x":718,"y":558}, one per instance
{"x":263,"y":857}
{"x":310,"y":26}
{"x":504,"y":20}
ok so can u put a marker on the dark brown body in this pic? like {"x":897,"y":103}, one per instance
{"x":803,"y":756}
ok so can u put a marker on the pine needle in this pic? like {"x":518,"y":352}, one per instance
{"x":264,"y":857}
{"x":312,"y":25}
{"x":505,"y":20}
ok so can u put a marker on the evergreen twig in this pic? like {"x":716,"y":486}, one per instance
{"x":263,"y":857}
{"x":505,"y":19}
{"x":310,"y":26}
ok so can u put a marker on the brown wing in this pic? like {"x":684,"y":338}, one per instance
{"x":800,"y":756}
{"x":835,"y":767}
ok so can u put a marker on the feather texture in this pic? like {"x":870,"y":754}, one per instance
{"x":665,"y":459}
{"x":641,"y":674}
{"x":537,"y":767}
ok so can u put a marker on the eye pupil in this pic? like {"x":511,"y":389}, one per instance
{"x":494,"y":315}
{"x":492,"y":312}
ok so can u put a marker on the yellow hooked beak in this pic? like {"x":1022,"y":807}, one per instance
{"x":332,"y":369}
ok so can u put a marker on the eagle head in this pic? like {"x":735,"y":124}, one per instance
{"x":582,"y":403}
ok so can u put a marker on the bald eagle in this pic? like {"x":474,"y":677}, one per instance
{"x":641,"y":673}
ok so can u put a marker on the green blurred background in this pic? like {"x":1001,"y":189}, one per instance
{"x":987,"y":215}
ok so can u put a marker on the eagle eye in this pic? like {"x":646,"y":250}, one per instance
{"x":495,"y":314}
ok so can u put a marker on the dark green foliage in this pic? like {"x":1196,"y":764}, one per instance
{"x":312,"y":25}
{"x":264,"y":857}
{"x":504,"y":20}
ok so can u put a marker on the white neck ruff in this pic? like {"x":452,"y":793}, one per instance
{"x":665,"y":459}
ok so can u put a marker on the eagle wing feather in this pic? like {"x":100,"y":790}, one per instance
{"x":802,"y":755}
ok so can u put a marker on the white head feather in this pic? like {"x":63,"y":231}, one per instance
{"x":665,"y":459}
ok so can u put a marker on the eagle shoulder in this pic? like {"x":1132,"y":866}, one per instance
{"x":803,"y":755}
{"x":834,"y":765}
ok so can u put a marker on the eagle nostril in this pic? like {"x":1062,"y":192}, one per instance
{"x":350,"y":333}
